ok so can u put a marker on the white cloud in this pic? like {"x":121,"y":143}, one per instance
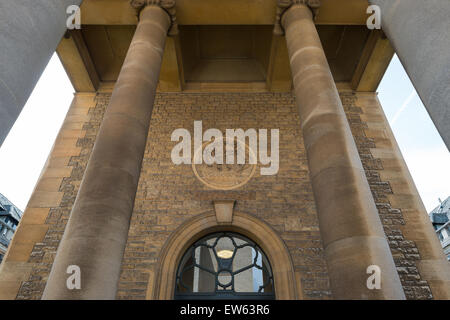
{"x":403,"y":107}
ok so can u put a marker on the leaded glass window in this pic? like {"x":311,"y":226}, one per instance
{"x":224,"y":266}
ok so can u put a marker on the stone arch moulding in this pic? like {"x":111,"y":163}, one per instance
{"x":203,"y":224}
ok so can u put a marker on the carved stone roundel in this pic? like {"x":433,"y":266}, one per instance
{"x":224,"y":176}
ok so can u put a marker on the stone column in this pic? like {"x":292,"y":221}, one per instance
{"x":419,"y":31}
{"x":30,"y":33}
{"x":97,"y":230}
{"x":351,"y":230}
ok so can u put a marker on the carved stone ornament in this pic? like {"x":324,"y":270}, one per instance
{"x":283,"y":5}
{"x":224,"y":176}
{"x":167,"y":5}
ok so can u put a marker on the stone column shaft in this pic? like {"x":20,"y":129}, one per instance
{"x":419,"y":31}
{"x":351,"y":230}
{"x":30,"y":33}
{"x":97,"y":230}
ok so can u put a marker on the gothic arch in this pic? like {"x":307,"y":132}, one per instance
{"x":203,"y":224}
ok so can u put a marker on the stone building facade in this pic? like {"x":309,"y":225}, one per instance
{"x":10,"y":216}
{"x":111,"y":201}
{"x":439,"y":217}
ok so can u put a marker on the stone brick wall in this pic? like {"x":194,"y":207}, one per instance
{"x":168,"y":195}
{"x":365,"y":114}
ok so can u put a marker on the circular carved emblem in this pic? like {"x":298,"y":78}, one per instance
{"x":224,"y":176}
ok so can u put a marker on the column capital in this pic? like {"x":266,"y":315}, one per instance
{"x":166,"y":5}
{"x":284,"y":5}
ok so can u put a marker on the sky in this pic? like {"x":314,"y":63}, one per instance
{"x":25,"y":150}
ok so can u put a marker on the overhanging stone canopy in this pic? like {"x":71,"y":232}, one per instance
{"x":219,"y":41}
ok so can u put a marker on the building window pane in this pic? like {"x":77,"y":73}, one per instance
{"x":224,"y":265}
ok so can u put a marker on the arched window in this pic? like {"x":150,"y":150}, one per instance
{"x":224,"y":265}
